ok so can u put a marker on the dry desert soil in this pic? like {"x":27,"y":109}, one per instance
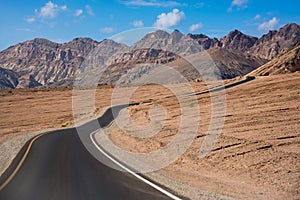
{"x":257,"y":155}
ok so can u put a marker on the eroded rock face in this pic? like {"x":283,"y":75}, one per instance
{"x":28,"y":81}
{"x":236,"y":40}
{"x":46,"y":61}
{"x":278,"y":42}
{"x":144,"y":56}
{"x":175,"y":42}
{"x":267,"y":47}
{"x":8,"y":79}
{"x":286,"y":63}
{"x":205,"y":41}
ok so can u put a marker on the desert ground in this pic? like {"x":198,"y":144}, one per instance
{"x":256,"y":157}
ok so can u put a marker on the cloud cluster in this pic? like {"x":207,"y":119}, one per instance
{"x":30,"y":19}
{"x":107,"y":30}
{"x":50,"y":10}
{"x":258,"y":16}
{"x":78,"y":12}
{"x":167,"y":20}
{"x":152,"y":3}
{"x":138,"y":23}
{"x":238,"y":4}
{"x":195,"y":27}
{"x":269,"y":25}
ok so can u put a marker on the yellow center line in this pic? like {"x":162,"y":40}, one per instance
{"x":21,"y":161}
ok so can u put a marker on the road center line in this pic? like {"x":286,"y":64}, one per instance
{"x":11,"y":176}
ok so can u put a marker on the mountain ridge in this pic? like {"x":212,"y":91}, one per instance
{"x":46,"y":63}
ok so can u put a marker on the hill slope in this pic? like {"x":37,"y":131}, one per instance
{"x":286,"y":63}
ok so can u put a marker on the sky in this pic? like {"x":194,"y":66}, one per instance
{"x":62,"y":20}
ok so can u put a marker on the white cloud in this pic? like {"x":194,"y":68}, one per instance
{"x":24,"y":29}
{"x":30,"y":19}
{"x":153,"y":3}
{"x":50,"y":10}
{"x":257,"y":17}
{"x":167,"y":20}
{"x":89,"y":10}
{"x":269,"y":25}
{"x":138,"y":23}
{"x":195,"y":27}
{"x":239,"y":4}
{"x":63,"y":8}
{"x":107,"y":30}
{"x":78,"y":12}
{"x":47,"y":13}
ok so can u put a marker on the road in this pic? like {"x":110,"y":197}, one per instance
{"x":58,"y":166}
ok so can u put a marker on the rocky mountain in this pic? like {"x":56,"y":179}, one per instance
{"x":236,"y":40}
{"x":133,"y":63}
{"x":267,"y":47}
{"x":232,"y":63}
{"x":47,"y":62}
{"x":215,"y":63}
{"x":286,"y":63}
{"x":276,"y":42}
{"x":40,"y":62}
{"x":175,"y":42}
{"x":205,"y":41}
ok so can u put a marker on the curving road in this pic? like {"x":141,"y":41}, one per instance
{"x":56,"y":165}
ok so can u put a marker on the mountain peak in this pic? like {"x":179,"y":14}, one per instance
{"x":110,"y":42}
{"x":176,"y":35}
{"x":40,"y":40}
{"x":197,"y":36}
{"x":234,"y":33}
{"x":85,"y":45}
{"x":278,"y":42}
{"x":237,"y":40}
{"x":83,"y":39}
{"x":176,"y":31}
{"x":290,"y":26}
{"x":43,"y":42}
{"x":290,"y":29}
{"x":161,"y":34}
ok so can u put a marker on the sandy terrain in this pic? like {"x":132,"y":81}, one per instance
{"x":257,"y":155}
{"x":26,"y":110}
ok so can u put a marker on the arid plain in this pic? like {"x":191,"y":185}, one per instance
{"x":256,"y":157}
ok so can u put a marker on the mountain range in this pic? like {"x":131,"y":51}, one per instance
{"x":42,"y":63}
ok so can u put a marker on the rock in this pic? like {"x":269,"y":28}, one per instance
{"x":275,"y":43}
{"x":286,"y":63}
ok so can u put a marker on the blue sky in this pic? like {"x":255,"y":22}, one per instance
{"x":63,"y":20}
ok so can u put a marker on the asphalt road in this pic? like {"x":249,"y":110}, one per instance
{"x":58,"y":166}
